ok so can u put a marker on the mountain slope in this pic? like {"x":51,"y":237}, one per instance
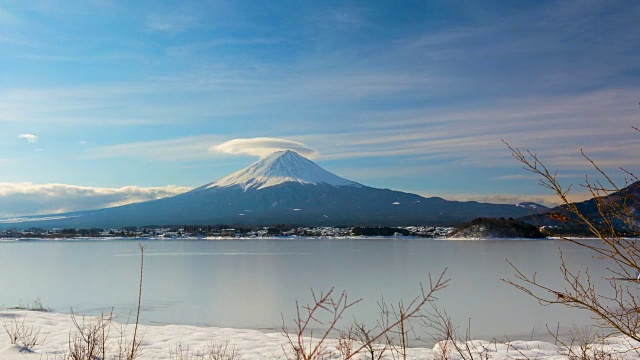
{"x":283,"y":188}
{"x":624,"y":203}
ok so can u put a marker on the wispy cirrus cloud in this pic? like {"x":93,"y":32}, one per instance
{"x":169,"y":22}
{"x":178,"y":149}
{"x":20,"y":199}
{"x":7,"y":18}
{"x":262,"y":146}
{"x":546,"y":200}
{"x":556,"y":127}
{"x":197,"y":47}
{"x":30,"y":138}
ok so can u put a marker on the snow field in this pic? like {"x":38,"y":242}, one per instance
{"x":162,"y":342}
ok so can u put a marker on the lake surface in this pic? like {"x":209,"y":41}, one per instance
{"x":253,"y":283}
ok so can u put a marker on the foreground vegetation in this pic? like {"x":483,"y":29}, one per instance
{"x":617,"y":226}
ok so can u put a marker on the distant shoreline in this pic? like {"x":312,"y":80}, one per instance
{"x":118,"y":238}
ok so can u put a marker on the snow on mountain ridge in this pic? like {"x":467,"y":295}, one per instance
{"x":278,"y":168}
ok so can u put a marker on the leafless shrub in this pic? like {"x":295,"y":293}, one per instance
{"x":614,"y":221}
{"x":442,"y":350}
{"x":90,"y":338}
{"x":397,"y":337}
{"x":100,"y":338}
{"x":583,"y":345}
{"x":35,"y":306}
{"x":346,"y":343}
{"x":94,"y":339}
{"x":213,"y":351}
{"x":586,"y":344}
{"x":26,"y":337}
{"x":449,"y":339}
{"x":323,"y":305}
{"x":221,"y":351}
{"x":326,"y":311}
{"x":372,"y":350}
{"x":180,"y":352}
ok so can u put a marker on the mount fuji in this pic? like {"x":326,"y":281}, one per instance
{"x":284,"y":187}
{"x":278,"y":168}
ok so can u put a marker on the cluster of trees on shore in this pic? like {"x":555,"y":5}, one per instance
{"x":499,"y":228}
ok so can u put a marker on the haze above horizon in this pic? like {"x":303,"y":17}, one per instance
{"x":108,"y":102}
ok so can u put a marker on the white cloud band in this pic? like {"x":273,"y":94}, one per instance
{"x":19,"y":199}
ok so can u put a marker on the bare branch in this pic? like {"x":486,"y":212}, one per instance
{"x":616,"y":308}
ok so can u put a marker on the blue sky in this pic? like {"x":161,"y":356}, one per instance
{"x":117,"y":101}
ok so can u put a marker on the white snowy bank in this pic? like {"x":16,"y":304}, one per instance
{"x":162,"y":342}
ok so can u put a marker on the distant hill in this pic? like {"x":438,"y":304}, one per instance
{"x":281,"y":188}
{"x":492,"y":228}
{"x":563,"y":221}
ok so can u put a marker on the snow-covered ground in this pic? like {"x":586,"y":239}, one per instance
{"x":165,"y":342}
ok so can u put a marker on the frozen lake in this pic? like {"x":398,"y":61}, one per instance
{"x":253,"y":283}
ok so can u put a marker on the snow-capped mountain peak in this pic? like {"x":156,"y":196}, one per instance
{"x":278,"y":168}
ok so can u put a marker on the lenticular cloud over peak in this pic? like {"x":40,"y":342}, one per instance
{"x":263,"y":147}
